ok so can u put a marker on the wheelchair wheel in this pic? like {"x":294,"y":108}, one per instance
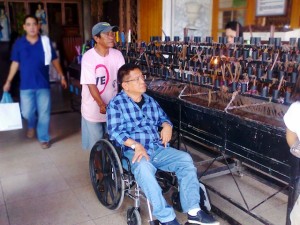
{"x":133,"y":216}
{"x":165,"y":180}
{"x":106,"y":174}
{"x":175,"y":198}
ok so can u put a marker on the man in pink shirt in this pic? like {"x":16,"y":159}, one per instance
{"x":99,"y":67}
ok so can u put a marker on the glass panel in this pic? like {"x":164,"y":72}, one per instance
{"x":110,"y":14}
{"x":71,"y":15}
{"x":17,"y":14}
{"x":38,"y":10}
{"x":227,"y":17}
{"x":4,"y":24}
{"x":55,"y":21}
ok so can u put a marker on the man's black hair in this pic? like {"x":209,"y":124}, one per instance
{"x":30,"y":16}
{"x":232,"y":25}
{"x":125,"y":70}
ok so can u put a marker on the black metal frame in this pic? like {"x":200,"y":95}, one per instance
{"x":218,"y":130}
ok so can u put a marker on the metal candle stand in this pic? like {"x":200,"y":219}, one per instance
{"x":227,"y":97}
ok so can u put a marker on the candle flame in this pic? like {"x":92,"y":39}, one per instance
{"x":216,"y":61}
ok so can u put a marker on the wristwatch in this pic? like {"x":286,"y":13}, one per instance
{"x":133,"y":146}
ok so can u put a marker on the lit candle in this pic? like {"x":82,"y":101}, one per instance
{"x":117,"y":36}
{"x":129,"y":36}
{"x":216,"y":63}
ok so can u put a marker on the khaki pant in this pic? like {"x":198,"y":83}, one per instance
{"x":295,"y":214}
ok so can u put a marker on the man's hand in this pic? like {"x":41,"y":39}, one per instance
{"x":63,"y":83}
{"x":166,"y":134}
{"x":139,"y":153}
{"x":102,"y":108}
{"x":6,"y":86}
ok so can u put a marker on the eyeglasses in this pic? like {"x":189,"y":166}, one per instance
{"x":142,"y":78}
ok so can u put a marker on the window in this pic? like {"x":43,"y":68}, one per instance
{"x":231,"y":10}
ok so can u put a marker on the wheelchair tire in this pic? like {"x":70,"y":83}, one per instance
{"x":133,"y":216}
{"x":165,"y":180}
{"x":106,"y":174}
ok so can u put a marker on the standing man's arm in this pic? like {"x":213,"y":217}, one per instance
{"x":95,"y":94}
{"x":14,"y":66}
{"x":291,"y":137}
{"x":58,"y":68}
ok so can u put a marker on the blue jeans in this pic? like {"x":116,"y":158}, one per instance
{"x":171,"y":160}
{"x":91,"y":132}
{"x":35,"y":108}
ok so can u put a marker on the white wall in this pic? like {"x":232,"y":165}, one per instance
{"x":194,"y":14}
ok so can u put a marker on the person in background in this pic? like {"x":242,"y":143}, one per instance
{"x":292,"y":122}
{"x":4,"y":26}
{"x":99,"y":67}
{"x":32,"y":54}
{"x":42,"y":19}
{"x":133,"y":121}
{"x":231,"y":30}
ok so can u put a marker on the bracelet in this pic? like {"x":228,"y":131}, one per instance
{"x":62,"y":77}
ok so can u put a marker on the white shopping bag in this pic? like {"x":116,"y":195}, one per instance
{"x":10,"y":116}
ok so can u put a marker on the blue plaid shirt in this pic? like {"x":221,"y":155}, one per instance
{"x":125,"y":119}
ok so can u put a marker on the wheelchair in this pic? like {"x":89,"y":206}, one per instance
{"x":111,"y":182}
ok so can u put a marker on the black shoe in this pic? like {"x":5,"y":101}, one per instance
{"x":202,"y":218}
{"x":173,"y":222}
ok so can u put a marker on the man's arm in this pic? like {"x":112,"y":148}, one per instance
{"x":291,"y":137}
{"x":58,"y":68}
{"x":293,"y":141}
{"x":14,"y":66}
{"x":165,"y":123}
{"x":166,"y":133}
{"x":95,"y":94}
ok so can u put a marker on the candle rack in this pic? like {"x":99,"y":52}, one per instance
{"x":266,"y":71}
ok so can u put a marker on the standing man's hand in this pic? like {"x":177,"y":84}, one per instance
{"x":6,"y":86}
{"x":102,"y":108}
{"x":63,"y":82}
{"x":14,"y":66}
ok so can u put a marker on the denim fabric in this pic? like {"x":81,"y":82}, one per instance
{"x":171,"y":160}
{"x":35,"y":108}
{"x":91,"y":132}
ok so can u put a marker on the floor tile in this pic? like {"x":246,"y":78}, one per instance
{"x":87,"y":223}
{"x":112,"y":219}
{"x":33,"y":184}
{"x":1,"y":195}
{"x":61,"y":208}
{"x":76,"y":175}
{"x":23,"y":163}
{"x":3,"y":215}
{"x":90,"y":202}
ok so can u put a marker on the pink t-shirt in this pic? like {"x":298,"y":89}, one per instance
{"x":101,"y":71}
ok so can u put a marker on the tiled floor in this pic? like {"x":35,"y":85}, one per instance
{"x":42,"y":187}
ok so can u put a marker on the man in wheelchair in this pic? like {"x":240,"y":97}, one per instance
{"x":133,"y":121}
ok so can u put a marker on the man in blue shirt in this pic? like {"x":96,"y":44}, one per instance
{"x":133,"y":121}
{"x":32,"y":54}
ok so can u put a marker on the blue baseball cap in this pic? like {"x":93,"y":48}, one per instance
{"x":103,"y":27}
